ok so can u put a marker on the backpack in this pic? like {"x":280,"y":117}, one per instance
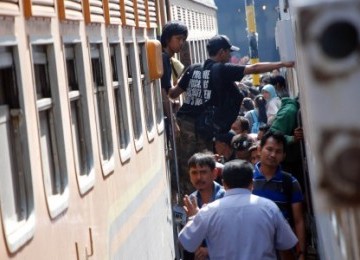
{"x":287,"y":188}
{"x":256,"y":123}
{"x":218,"y":117}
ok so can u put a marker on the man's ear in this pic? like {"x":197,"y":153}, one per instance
{"x":224,"y":184}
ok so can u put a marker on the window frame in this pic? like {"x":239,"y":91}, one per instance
{"x":107,"y":165}
{"x":86,"y":180}
{"x":147,"y":91}
{"x":134,"y":79}
{"x":58,"y":202}
{"x":121,"y":95}
{"x":19,"y":231}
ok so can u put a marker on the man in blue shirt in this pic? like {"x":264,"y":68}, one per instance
{"x":202,"y":174}
{"x":272,"y":183}
{"x":241,"y":225}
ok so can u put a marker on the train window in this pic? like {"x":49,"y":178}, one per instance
{"x":16,"y":192}
{"x":134,"y":94}
{"x":51,"y":139}
{"x":80,"y":127}
{"x":120,"y":101}
{"x":147,"y":87}
{"x":102,"y":109}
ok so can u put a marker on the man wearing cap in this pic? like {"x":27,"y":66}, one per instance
{"x":198,"y":83}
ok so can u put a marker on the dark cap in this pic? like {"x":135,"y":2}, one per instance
{"x":220,"y":42}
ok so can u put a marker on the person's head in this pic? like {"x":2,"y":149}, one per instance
{"x":173,"y":37}
{"x":241,"y":144}
{"x":260,"y":104}
{"x":262,"y":130}
{"x":278,"y":81}
{"x":268,"y":92}
{"x":241,"y":125}
{"x":272,"y":149}
{"x":254,"y":154}
{"x":248,"y":104}
{"x":202,"y":170}
{"x":280,"y":85}
{"x":265,"y":79}
{"x":238,"y":174}
{"x":223,"y":144}
{"x":275,"y":72}
{"x":219,"y":47}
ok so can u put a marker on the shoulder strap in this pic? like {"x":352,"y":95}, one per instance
{"x":287,"y":187}
{"x":287,"y":182}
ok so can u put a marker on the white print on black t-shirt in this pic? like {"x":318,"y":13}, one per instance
{"x":194,"y":96}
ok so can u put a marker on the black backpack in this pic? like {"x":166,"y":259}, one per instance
{"x":287,"y":188}
{"x":218,"y":116}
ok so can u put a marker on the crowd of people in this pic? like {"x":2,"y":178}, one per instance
{"x":242,"y":188}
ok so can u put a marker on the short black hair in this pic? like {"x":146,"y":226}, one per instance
{"x":277,"y":135}
{"x":202,"y":159}
{"x":248,"y":103}
{"x":238,"y":174}
{"x":278,"y":80}
{"x":172,"y":28}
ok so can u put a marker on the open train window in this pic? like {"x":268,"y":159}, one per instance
{"x":102,"y":108}
{"x":134,"y":92}
{"x":16,"y":191}
{"x":147,"y":87}
{"x":80,"y":127}
{"x":159,"y":113}
{"x":50,"y":129}
{"x":122,"y":119}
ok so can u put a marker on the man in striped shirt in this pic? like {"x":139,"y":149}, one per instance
{"x":282,"y":188}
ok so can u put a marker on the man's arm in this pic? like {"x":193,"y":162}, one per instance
{"x":298,"y":216}
{"x":175,"y":92}
{"x":262,"y":67}
{"x":192,"y":235}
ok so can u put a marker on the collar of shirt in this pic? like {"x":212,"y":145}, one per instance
{"x":236,"y":191}
{"x":258,"y":174}
{"x":217,"y":194}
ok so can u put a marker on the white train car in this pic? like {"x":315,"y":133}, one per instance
{"x":327,"y":76}
{"x":83,"y":159}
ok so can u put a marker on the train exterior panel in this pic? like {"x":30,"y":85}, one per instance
{"x":84,"y":166}
{"x":326,"y":50}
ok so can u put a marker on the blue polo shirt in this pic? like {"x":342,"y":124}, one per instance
{"x":273,"y":189}
{"x":218,"y":193}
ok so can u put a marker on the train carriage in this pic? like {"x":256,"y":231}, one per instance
{"x":84,"y":165}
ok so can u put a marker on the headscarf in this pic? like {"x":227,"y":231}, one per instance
{"x":270,"y":89}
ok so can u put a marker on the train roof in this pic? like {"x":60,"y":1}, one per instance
{"x":209,"y":3}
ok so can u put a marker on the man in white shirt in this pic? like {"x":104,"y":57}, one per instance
{"x":240,"y":225}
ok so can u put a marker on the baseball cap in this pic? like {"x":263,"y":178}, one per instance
{"x":220,"y":42}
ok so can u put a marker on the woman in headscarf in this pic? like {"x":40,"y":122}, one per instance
{"x":273,"y":102}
